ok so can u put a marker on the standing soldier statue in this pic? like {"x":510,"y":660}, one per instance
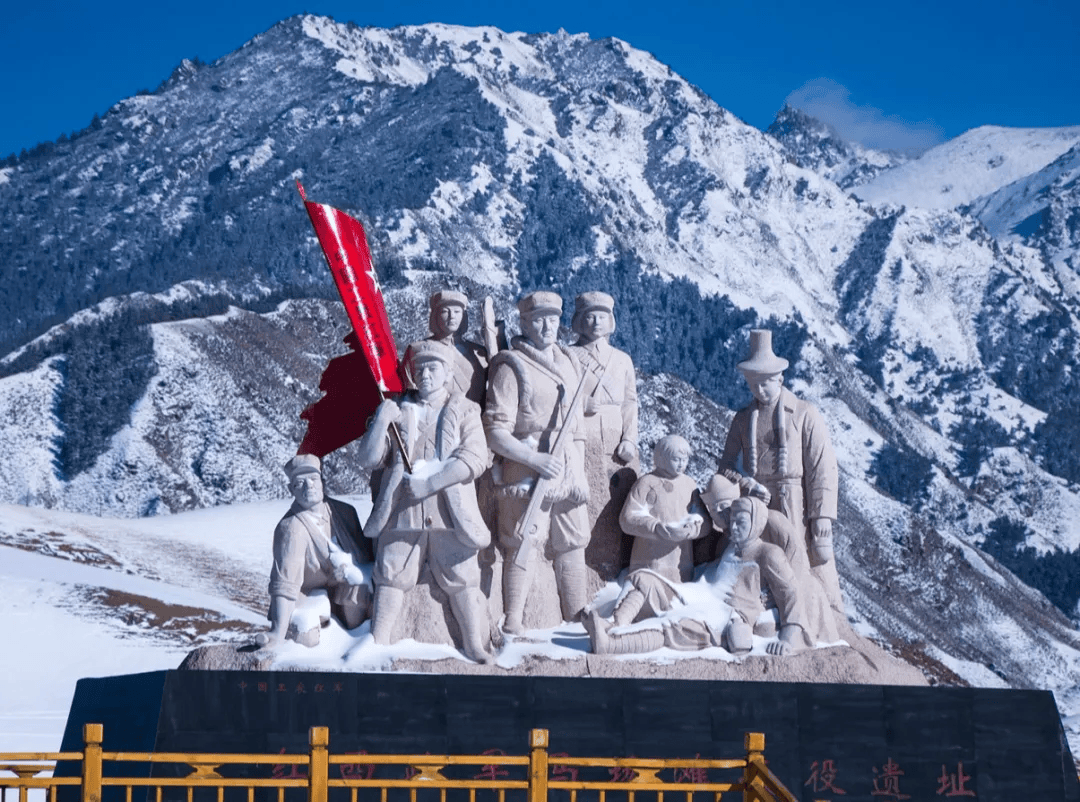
{"x":533,"y":421}
{"x":429,"y":516}
{"x":611,"y":428}
{"x":449,"y":321}
{"x":782,"y":445}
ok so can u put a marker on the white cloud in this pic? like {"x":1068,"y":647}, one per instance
{"x":831,"y":103}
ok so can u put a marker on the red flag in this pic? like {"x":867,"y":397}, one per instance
{"x":349,"y":397}
{"x":345,"y":246}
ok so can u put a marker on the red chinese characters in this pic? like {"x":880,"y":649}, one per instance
{"x":357,"y":771}
{"x":561,"y":773}
{"x":887,"y":781}
{"x":823,"y":777}
{"x":954,"y":784}
{"x":491,"y":771}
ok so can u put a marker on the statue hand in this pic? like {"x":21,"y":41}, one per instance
{"x":547,"y":465}
{"x":418,"y":489}
{"x":676,"y":532}
{"x":626,"y":451}
{"x":387,"y":413}
{"x":821,"y":546}
{"x":752,"y":487}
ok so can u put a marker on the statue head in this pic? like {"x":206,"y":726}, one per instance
{"x":744,"y":525}
{"x":429,"y":366}
{"x":594,"y":316}
{"x":540,"y":313}
{"x":305,"y":480}
{"x":718,"y":497}
{"x":763,"y":370}
{"x":449,"y":313}
{"x":671,"y":456}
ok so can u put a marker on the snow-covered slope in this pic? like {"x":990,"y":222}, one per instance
{"x":976,"y":163}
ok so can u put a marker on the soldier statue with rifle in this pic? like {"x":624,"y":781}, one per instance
{"x":534,"y":422}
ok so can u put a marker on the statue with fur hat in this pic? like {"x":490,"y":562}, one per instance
{"x":428,"y":520}
{"x":448,"y":321}
{"x":778,"y":448}
{"x":530,"y":389}
{"x":611,"y":428}
{"x":320,"y":553}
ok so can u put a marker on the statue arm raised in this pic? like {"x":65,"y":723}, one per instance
{"x":375,"y":443}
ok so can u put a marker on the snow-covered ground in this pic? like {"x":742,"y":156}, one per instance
{"x":86,"y":597}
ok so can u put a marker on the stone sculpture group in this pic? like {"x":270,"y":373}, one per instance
{"x":528,"y":457}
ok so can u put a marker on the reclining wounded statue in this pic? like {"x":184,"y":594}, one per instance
{"x":611,"y":428}
{"x":778,"y":448}
{"x":322,"y":561}
{"x":428,"y":519}
{"x":535,"y":426}
{"x":724,"y":608}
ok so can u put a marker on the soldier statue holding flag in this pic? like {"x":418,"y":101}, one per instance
{"x":429,"y":516}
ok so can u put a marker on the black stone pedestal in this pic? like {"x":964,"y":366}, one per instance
{"x":823,"y":741}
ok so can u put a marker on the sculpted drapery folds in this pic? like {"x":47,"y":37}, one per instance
{"x":611,"y":427}
{"x":663,"y":515}
{"x":318,"y":545}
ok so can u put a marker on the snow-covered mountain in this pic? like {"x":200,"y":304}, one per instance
{"x":168,"y":311}
{"x":812,"y":144}
{"x":976,"y":163}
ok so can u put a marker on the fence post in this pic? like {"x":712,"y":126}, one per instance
{"x":318,"y":764}
{"x":538,"y":766}
{"x":754,"y":743}
{"x":91,"y":763}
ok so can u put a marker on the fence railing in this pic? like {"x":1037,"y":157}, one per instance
{"x":318,"y":774}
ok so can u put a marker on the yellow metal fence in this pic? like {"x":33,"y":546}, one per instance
{"x":528,"y":778}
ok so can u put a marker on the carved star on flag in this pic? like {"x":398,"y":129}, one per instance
{"x":374,"y":278}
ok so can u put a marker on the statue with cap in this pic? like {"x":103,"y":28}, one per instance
{"x":532,"y":389}
{"x":449,"y":322}
{"x":611,"y":427}
{"x":778,"y":449}
{"x":429,"y":518}
{"x":319,"y":549}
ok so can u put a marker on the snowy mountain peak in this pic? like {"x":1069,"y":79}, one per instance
{"x":976,"y":163}
{"x":815,"y":145}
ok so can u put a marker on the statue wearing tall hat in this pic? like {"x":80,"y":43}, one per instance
{"x":538,"y":433}
{"x":449,"y":322}
{"x":611,"y":429}
{"x":778,"y":449}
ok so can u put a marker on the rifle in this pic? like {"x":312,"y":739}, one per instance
{"x":490,"y":328}
{"x":525,"y":528}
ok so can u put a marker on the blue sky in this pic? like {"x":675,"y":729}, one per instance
{"x":902,"y":74}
